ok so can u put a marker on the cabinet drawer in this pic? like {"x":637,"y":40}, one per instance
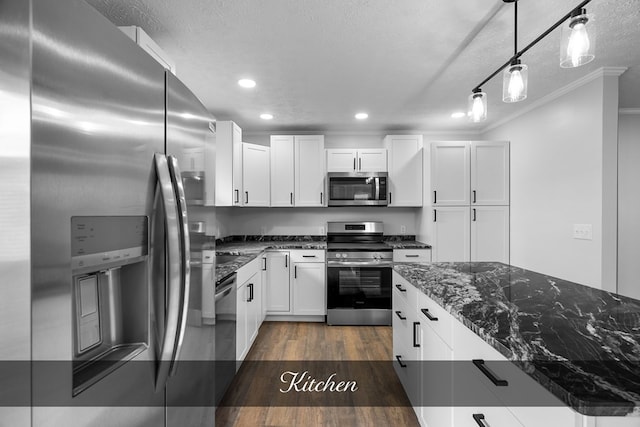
{"x":412,"y":255}
{"x":404,"y":291}
{"x":314,"y":255}
{"x":432,"y":315}
{"x":248,"y":270}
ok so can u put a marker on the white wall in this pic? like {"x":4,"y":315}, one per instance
{"x":558,"y":155}
{"x":629,"y":205}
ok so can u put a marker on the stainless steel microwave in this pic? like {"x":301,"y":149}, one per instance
{"x":357,"y":188}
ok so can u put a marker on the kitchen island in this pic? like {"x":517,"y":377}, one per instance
{"x":579,"y":343}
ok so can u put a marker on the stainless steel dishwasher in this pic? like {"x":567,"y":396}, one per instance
{"x":225,"y":315}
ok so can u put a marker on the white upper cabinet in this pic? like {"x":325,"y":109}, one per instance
{"x":352,"y":160}
{"x":405,"y":170}
{"x":147,"y":44}
{"x":490,"y":173}
{"x":310,"y":172}
{"x":255,"y":175}
{"x":450,"y":173}
{"x":228,"y":164}
{"x":342,"y":160}
{"x":372,"y":160}
{"x":490,"y":233}
{"x":282,"y":170}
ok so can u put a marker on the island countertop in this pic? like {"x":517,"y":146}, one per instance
{"x":583,"y":342}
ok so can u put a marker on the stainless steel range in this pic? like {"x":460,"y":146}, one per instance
{"x":358,"y":274}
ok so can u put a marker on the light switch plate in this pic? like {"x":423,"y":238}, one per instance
{"x":583,"y":231}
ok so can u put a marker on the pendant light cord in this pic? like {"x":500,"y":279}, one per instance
{"x":515,"y":31}
{"x":533,"y":43}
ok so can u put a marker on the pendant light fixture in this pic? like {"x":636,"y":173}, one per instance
{"x":477,"y":110}
{"x":577,"y":48}
{"x":578,"y":44}
{"x":515,"y":77}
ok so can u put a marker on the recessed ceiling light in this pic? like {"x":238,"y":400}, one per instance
{"x":248,"y":83}
{"x":266,"y":116}
{"x":458,"y":115}
{"x":362,"y":116}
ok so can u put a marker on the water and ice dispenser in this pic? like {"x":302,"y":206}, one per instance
{"x":110,"y":282}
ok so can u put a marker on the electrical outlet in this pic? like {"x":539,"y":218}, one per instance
{"x":403,"y":229}
{"x":583,"y":231}
{"x":322,"y":233}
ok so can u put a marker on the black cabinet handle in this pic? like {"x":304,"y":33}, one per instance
{"x":250,"y":286}
{"x":389,"y":197}
{"x":399,"y":314}
{"x":400,"y":288}
{"x":412,"y":255}
{"x":474,"y":214}
{"x":308,"y":256}
{"x":435,"y":198}
{"x":399,"y":359}
{"x":487,"y":373}
{"x":321,"y":198}
{"x":295,"y":271}
{"x":435,"y":216}
{"x":354,"y":163}
{"x":291,"y":197}
{"x":237,"y":196}
{"x":246,"y":193}
{"x":264,"y":265}
{"x":425,"y":311}
{"x":474,"y":196}
{"x":286,"y":260}
{"x":415,"y":334}
{"x":479,"y":418}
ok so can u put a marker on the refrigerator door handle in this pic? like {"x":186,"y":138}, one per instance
{"x":172,"y":228}
{"x":185,"y":258}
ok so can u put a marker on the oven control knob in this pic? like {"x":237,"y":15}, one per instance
{"x":344,"y":255}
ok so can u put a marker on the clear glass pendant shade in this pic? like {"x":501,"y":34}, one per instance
{"x":578,"y":41}
{"x":514,"y":82}
{"x":477,"y":110}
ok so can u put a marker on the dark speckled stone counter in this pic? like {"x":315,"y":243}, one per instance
{"x":247,"y":248}
{"x":581,"y":343}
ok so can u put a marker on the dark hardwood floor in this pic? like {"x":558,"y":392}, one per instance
{"x":289,"y":341}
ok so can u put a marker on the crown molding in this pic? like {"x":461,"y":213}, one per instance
{"x":626,"y":111}
{"x":380,"y":133}
{"x":600,"y":72}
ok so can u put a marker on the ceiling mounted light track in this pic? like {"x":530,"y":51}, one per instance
{"x":576,"y":49}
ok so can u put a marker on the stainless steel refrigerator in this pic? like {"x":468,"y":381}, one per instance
{"x":100,"y":297}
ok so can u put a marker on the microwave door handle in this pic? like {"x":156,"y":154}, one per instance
{"x":377,"y":198}
{"x":185,"y":259}
{"x":172,"y":227}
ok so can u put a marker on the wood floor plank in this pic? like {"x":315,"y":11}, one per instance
{"x":297,"y":341}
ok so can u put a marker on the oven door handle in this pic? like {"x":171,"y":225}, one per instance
{"x":359,"y":264}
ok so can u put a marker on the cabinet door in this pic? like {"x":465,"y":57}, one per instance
{"x":241,"y":322}
{"x":228,"y":158}
{"x":490,"y":233}
{"x":372,"y":160}
{"x":309,"y":290}
{"x":341,"y":160}
{"x":490,"y":173}
{"x":450,"y":170}
{"x":282,"y":170}
{"x":451,"y":234}
{"x":436,"y":378}
{"x":278,"y":291}
{"x":309,"y":170}
{"x":255,"y":161}
{"x":405,"y":170}
{"x":236,"y":160}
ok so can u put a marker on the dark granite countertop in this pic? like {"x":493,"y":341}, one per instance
{"x":407,"y":244}
{"x":580,"y":343}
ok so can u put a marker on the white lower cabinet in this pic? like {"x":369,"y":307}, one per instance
{"x":309,"y":288}
{"x":248,"y":307}
{"x":296,"y":283}
{"x":424,"y":331}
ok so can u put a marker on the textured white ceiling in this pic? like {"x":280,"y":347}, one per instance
{"x":408,"y":63}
